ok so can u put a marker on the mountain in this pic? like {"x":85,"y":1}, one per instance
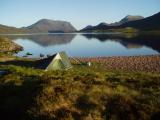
{"x":104,"y":25}
{"x":129,"y":18}
{"x":149,"y":23}
{"x":101,"y":25}
{"x":87,"y":27}
{"x":42,"y":26}
{"x":137,"y":22}
{"x":46,"y":25}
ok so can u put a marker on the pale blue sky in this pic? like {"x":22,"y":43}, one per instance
{"x":80,"y":13}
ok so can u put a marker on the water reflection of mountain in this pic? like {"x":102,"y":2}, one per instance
{"x":46,"y":40}
{"x":130,"y":41}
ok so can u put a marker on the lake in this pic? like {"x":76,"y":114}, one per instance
{"x":88,"y":45}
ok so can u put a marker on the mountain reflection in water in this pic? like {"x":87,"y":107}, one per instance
{"x":130,"y":40}
{"x":46,"y":39}
{"x":88,"y":45}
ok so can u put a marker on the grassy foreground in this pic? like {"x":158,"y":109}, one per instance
{"x":81,"y":93}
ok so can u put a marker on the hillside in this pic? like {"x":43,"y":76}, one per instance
{"x":11,"y":30}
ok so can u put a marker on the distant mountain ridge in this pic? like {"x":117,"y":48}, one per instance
{"x":122,"y":21}
{"x":42,"y":26}
{"x":137,"y":22}
{"x":149,"y":23}
{"x":129,"y":18}
{"x":54,"y":26}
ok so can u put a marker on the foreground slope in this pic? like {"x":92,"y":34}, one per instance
{"x":78,"y":94}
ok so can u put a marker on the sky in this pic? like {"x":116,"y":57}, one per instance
{"x":80,"y":13}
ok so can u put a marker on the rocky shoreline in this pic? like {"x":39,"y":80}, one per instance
{"x":7,"y":45}
{"x":148,"y":63}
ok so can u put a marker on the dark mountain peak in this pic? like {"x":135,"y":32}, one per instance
{"x":131,"y":18}
{"x":148,"y":23}
{"x":103,"y":24}
{"x":88,"y":27}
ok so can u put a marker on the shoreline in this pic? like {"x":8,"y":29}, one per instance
{"x":144,"y":63}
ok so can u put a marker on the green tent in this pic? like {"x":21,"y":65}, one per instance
{"x":58,"y":61}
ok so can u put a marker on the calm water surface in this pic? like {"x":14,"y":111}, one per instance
{"x":87,"y":45}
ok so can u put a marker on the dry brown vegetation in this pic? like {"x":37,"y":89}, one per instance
{"x":82,"y":93}
{"x":7,"y":45}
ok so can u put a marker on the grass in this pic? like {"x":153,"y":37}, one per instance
{"x":79,"y":93}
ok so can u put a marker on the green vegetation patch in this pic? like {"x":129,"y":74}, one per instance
{"x":80,"y":93}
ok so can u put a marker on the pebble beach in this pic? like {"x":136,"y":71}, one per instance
{"x":149,"y":63}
